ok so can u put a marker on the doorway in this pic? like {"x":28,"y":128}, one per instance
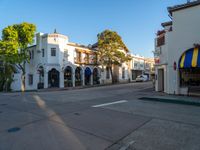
{"x":95,"y":76}
{"x":160,"y":80}
{"x":88,"y":74}
{"x":78,"y":76}
{"x":53,"y":78}
{"x":68,"y":77}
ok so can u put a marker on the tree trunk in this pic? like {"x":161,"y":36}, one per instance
{"x":111,"y":72}
{"x":23,"y":82}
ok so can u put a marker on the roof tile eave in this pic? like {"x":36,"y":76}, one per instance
{"x":183,"y":6}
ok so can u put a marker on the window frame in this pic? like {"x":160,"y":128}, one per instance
{"x":53,"y":52}
{"x":123,"y":72}
{"x":30,"y":79}
{"x":107,"y":73}
{"x":43,"y":53}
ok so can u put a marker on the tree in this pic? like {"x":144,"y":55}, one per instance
{"x":21,"y":35}
{"x":111,"y":50}
{"x":8,"y":54}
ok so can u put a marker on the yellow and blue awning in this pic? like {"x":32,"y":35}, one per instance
{"x":190,"y":59}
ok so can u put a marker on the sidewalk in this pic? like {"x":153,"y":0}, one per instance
{"x":175,"y":99}
{"x":68,"y":88}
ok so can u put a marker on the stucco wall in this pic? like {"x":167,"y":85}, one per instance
{"x":186,"y":29}
{"x":58,"y":62}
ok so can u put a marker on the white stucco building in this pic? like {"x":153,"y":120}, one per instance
{"x":141,"y":65}
{"x":177,"y":50}
{"x":56,"y":62}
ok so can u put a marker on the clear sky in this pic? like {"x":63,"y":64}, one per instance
{"x":81,"y":20}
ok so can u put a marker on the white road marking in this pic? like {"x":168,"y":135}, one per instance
{"x":112,"y":103}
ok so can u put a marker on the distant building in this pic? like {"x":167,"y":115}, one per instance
{"x":141,"y":65}
{"x":177,"y":50}
{"x":57,"y":63}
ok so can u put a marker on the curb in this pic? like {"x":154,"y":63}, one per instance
{"x":172,"y":101}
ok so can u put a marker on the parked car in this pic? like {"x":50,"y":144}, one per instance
{"x":141,"y":78}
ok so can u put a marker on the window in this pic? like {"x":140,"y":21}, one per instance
{"x":123,"y":73}
{"x":161,"y":40}
{"x":141,"y":66}
{"x":190,"y":77}
{"x":147,"y":65}
{"x":135,"y":64}
{"x":30,"y":79}
{"x":42,"y":52}
{"x":95,"y":59}
{"x":78,"y":56}
{"x":53,"y":51}
{"x":87,"y":57}
{"x":107,"y":73}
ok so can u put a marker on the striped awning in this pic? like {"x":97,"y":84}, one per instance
{"x":190,"y":59}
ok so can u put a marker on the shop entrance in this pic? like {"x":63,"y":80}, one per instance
{"x":88,"y":74}
{"x":189,"y":70}
{"x":68,"y":77}
{"x":190,"y":78}
{"x":53,"y":78}
{"x":160,"y":78}
{"x":78,"y":76}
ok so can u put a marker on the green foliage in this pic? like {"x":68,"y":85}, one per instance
{"x":20,"y":35}
{"x":13,"y":50}
{"x":111,"y":49}
{"x":6,"y":76}
{"x":8,"y":57}
{"x":9,"y":52}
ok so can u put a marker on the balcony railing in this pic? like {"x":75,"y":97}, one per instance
{"x":85,"y":61}
{"x":77,"y":60}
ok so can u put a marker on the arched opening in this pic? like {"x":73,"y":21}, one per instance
{"x":68,"y":80}
{"x":41,"y":77}
{"x":189,"y":70}
{"x":78,"y":76}
{"x":53,"y":78}
{"x":95,"y":76}
{"x":88,"y":74}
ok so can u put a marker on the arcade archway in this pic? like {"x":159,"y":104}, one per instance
{"x":78,"y":76}
{"x":53,"y":78}
{"x":189,"y":69}
{"x":95,"y":76}
{"x":88,"y":74}
{"x":68,"y":79}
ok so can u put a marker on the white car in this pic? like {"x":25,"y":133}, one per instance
{"x":141,"y":78}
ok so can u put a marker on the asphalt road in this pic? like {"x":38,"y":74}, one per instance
{"x":108,"y":117}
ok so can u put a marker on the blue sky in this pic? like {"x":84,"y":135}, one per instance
{"x":81,"y":20}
